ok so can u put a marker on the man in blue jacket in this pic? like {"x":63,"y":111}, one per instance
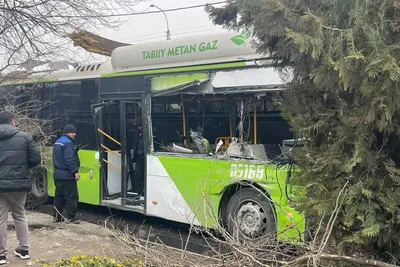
{"x":66,"y":174}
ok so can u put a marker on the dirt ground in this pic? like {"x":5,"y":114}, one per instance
{"x":49,"y":242}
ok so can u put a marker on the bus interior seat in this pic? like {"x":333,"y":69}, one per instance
{"x":202,"y":144}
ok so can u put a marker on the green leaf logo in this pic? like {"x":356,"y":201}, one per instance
{"x":246,"y":35}
{"x":241,"y":38}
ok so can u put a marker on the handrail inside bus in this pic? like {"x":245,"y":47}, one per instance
{"x":109,"y":150}
{"x":105,"y":134}
{"x":112,"y":165}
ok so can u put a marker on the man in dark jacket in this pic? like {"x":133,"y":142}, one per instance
{"x":138,"y":158}
{"x":18,"y":153}
{"x":66,"y":174}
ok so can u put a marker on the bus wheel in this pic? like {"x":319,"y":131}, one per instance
{"x":38,"y":194}
{"x":250,"y":215}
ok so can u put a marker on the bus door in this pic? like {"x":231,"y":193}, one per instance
{"x":115,"y":122}
{"x":108,"y":149}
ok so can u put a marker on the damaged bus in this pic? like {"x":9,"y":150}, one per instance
{"x":215,"y":143}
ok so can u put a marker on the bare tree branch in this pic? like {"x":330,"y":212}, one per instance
{"x":35,"y":29}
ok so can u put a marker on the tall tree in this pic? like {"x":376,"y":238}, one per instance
{"x":344,"y":98}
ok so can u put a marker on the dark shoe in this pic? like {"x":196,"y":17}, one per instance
{"x":3,"y":260}
{"x":22,"y":254}
{"x":58,"y":219}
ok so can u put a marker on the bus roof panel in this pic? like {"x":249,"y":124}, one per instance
{"x":247,"y":78}
{"x":220,"y":82}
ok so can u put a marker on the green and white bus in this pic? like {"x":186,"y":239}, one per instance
{"x":216,"y":83}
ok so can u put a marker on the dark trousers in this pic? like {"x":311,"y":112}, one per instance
{"x":66,"y":195}
{"x":138,"y":177}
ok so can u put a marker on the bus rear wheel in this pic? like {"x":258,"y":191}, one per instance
{"x":38,"y":194}
{"x":250,"y":215}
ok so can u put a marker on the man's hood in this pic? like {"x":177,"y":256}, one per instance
{"x":7,"y":131}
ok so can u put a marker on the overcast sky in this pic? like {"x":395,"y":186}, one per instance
{"x":151,"y":27}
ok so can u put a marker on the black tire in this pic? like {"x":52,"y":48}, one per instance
{"x":38,"y":194}
{"x":259,"y":212}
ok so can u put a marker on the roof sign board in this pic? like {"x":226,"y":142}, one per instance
{"x":188,"y":51}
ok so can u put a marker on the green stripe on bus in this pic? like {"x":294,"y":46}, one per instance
{"x":165,"y":82}
{"x":29,"y":82}
{"x":172,"y":70}
{"x":139,"y":72}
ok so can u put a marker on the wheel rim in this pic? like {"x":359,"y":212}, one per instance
{"x":40,"y":185}
{"x":251,"y":219}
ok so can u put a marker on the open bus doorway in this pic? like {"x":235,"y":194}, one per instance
{"x":121,"y":146}
{"x":136,"y":154}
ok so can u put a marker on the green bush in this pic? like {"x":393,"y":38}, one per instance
{"x":96,"y":261}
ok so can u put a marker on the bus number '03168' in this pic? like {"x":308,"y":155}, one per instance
{"x":247,"y":171}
